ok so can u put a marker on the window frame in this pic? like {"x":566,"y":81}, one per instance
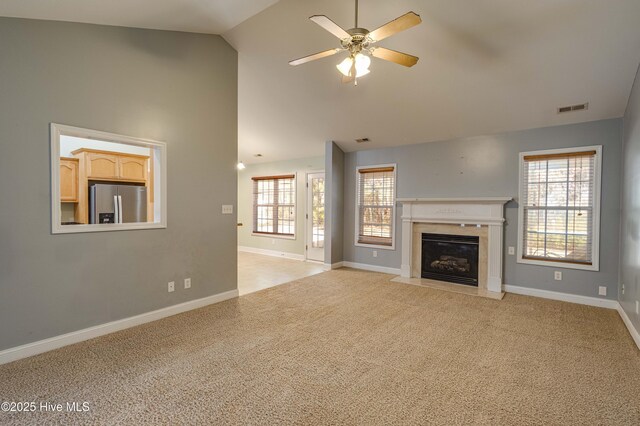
{"x":357,"y":243}
{"x":595,"y":226}
{"x":254,"y":180}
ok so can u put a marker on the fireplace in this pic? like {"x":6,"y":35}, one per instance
{"x":452,"y":258}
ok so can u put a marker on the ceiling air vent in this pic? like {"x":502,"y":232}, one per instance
{"x":362,"y":140}
{"x":578,"y":107}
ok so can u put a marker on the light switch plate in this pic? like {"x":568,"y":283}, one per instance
{"x":512,"y":250}
{"x":187,"y":283}
{"x":227,"y":209}
{"x":602,"y":291}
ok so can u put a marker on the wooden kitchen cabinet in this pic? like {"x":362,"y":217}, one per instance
{"x":69,"y":180}
{"x":132,"y":168}
{"x":112,"y":166}
{"x":101,"y":165}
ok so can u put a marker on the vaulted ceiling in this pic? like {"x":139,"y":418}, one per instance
{"x":486,"y":66}
{"x":200,"y":16}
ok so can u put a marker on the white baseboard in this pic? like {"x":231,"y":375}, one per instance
{"x":372,"y":268}
{"x":273,"y":253}
{"x":564,"y":297}
{"x":632,"y":330}
{"x":30,"y":349}
{"x":330,"y":266}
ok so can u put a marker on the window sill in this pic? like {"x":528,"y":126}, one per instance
{"x":376,"y":246}
{"x":280,"y":236}
{"x":106,"y":227}
{"x":551,"y":264}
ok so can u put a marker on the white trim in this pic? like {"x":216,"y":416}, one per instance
{"x":60,"y":129}
{"x":595,"y":232}
{"x":393,"y":219}
{"x":30,"y":349}
{"x":331,"y":266}
{"x":564,"y":297}
{"x":469,"y":200}
{"x":372,"y":268}
{"x":273,"y":253}
{"x":280,"y":236}
{"x":632,"y":330}
{"x":308,"y":218}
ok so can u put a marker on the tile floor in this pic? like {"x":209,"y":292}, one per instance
{"x":257,"y":272}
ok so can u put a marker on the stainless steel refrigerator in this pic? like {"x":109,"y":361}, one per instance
{"x":117,"y":203}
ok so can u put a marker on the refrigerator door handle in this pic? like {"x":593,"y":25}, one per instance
{"x":120,"y":208}
{"x":115,"y":209}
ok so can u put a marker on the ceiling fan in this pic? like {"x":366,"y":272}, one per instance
{"x":360,"y":43}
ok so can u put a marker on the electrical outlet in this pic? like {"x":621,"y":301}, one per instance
{"x":622,"y":288}
{"x":602,"y":291}
{"x":375,"y":253}
{"x":171,"y":287}
{"x":557,"y":275}
{"x":512,"y":251}
{"x":187,"y":283}
{"x":227,"y":209}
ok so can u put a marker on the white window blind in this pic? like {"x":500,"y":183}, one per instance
{"x":558,"y":202}
{"x":376,"y":203}
{"x":274,"y":207}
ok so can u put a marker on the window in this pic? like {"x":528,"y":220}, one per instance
{"x":274,"y":205}
{"x":559,"y":208}
{"x":375,"y":210}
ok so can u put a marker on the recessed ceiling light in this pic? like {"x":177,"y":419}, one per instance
{"x":362,"y":140}
{"x":258,"y":155}
{"x":241,"y":166}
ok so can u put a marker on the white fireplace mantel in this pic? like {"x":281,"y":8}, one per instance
{"x":487,"y":211}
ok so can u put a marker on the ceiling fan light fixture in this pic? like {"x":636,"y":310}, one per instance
{"x":362,"y":65}
{"x":357,"y":40}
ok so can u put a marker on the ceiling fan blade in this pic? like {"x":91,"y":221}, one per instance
{"x":313,"y":57}
{"x":393,"y":56}
{"x":402,"y":23}
{"x":330,"y":26}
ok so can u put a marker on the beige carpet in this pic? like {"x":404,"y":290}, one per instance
{"x":347,"y":347}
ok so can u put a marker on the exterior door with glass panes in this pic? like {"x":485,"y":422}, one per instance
{"x":315,"y":217}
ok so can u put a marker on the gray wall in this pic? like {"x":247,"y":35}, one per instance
{"x":175,"y":87}
{"x":488,"y":166}
{"x":334,"y":208}
{"x":630,"y":228}
{"x":300,"y":168}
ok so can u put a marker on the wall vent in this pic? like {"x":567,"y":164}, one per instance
{"x":362,"y":140}
{"x":578,"y":107}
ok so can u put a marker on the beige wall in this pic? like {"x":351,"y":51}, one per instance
{"x":245,"y":203}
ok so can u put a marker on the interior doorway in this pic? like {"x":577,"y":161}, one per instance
{"x":315,"y":217}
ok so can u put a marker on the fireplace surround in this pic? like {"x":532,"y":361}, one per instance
{"x":482,"y":218}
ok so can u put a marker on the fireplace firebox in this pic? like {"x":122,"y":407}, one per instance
{"x":452,"y":258}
